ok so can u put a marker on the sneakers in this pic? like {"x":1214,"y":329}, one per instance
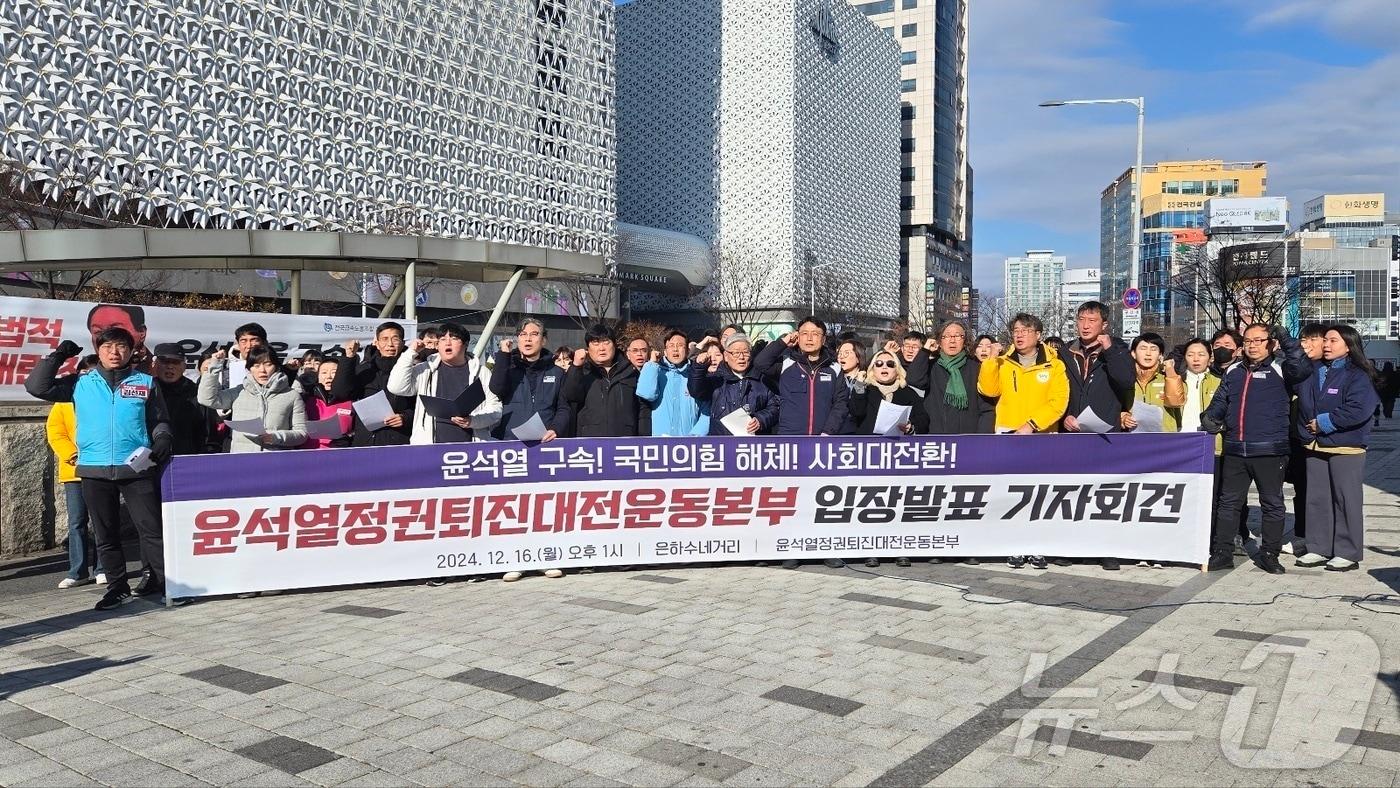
{"x":1219,"y":561}
{"x":1268,"y":561}
{"x":1287,"y":546}
{"x":1142,"y":564}
{"x":1341,"y":565}
{"x":102,"y":578}
{"x":903,"y":562}
{"x":1016,"y":561}
{"x":834,"y":563}
{"x":436,"y":582}
{"x":873,"y":563}
{"x":554,"y":573}
{"x":113,"y":599}
{"x":789,"y":564}
{"x":1310,"y":560}
{"x":1038,"y":561}
{"x":510,"y":577}
{"x":149,"y":586}
{"x":69,"y":582}
{"x":1109,"y":564}
{"x":969,"y":562}
{"x":1062,"y":562}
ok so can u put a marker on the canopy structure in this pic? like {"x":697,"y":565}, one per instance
{"x":143,"y":248}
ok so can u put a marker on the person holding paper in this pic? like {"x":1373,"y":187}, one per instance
{"x":120,"y":414}
{"x":1251,"y":410}
{"x":1100,"y":372}
{"x":331,"y":397}
{"x":447,"y":375}
{"x":601,"y":387}
{"x":372,"y":377}
{"x":885,"y":381}
{"x":529,"y":383}
{"x":267,"y":397}
{"x":1157,"y":385}
{"x":732,"y":387}
{"x":662,"y":385}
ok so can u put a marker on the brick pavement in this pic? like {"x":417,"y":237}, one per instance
{"x":730,"y":675}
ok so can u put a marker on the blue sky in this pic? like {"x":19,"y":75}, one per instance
{"x":1310,"y":86}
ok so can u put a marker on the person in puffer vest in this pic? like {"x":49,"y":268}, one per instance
{"x":120,"y":416}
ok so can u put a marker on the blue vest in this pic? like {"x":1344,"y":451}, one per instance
{"x":111,"y":424}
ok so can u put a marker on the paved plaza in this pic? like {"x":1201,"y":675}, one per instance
{"x":740,"y":675}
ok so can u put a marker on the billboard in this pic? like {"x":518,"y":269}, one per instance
{"x":1331,"y":207}
{"x":1246,"y":215}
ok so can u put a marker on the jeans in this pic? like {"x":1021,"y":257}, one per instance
{"x":82,"y":554}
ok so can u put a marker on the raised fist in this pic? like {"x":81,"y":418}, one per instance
{"x":68,"y":349}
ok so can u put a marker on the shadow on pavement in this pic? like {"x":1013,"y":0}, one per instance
{"x":29,"y":678}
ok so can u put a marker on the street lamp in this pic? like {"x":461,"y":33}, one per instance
{"x":813,"y":283}
{"x":1137,"y":173}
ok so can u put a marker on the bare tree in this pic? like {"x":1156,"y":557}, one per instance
{"x":992,"y":316}
{"x":584,"y":300}
{"x":740,"y":291}
{"x":1229,"y":287}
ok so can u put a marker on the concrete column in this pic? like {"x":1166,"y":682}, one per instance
{"x":27,"y":505}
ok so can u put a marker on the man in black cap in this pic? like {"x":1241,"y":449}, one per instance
{"x":194,"y":428}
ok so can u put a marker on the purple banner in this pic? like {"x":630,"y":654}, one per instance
{"x":208,"y":477}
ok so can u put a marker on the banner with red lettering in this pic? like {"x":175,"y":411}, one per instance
{"x":31,"y":328}
{"x":296,"y":519}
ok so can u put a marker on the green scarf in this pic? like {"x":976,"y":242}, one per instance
{"x":956,"y":393}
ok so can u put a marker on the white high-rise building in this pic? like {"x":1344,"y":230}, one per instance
{"x":1079,"y":285}
{"x":771,"y":131}
{"x":936,"y":178}
{"x":463,"y":118}
{"x":1032,"y":283}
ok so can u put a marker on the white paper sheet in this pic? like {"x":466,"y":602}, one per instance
{"x":531,"y":430}
{"x":140,"y":459}
{"x":237,"y":371}
{"x":374,"y":411}
{"x":1089,"y":421}
{"x":1149,"y":417}
{"x":330,"y":428}
{"x":889,"y":418}
{"x":737,"y":421}
{"x":246,"y":426}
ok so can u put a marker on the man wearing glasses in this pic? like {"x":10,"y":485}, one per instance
{"x":528,"y":382}
{"x":952,"y":402}
{"x":1251,"y":409}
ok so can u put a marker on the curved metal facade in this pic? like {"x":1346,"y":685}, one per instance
{"x":487,"y":119}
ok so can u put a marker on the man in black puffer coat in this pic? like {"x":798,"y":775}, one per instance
{"x":602,"y":390}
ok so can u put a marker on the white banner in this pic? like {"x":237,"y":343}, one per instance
{"x":31,"y":328}
{"x":493,"y":523}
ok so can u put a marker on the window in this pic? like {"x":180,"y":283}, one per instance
{"x":906,"y":203}
{"x":906,"y":145}
{"x":906,"y":173}
{"x":908,"y":58}
{"x":908,"y":30}
{"x":908,"y":85}
{"x":908,"y":4}
{"x":906,"y":111}
{"x":880,"y":7}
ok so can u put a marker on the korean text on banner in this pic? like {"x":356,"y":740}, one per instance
{"x":31,"y":328}
{"x":254,"y":522}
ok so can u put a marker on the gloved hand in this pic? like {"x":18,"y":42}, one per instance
{"x":68,"y":349}
{"x":1211,"y":426}
{"x":161,"y":449}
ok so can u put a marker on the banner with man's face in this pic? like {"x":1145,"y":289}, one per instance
{"x":31,"y":328}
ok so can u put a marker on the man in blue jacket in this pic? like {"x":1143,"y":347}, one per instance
{"x":812,"y":392}
{"x":120,"y":415}
{"x":662,"y":385}
{"x":1251,"y":409}
{"x":527,"y":381}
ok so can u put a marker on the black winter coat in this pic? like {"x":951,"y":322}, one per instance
{"x":372,"y":377}
{"x":978,"y":418}
{"x":865,"y":408}
{"x":604,"y":402}
{"x":526,"y":388}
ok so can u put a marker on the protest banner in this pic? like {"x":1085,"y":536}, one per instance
{"x":282,"y":520}
{"x":31,"y":328}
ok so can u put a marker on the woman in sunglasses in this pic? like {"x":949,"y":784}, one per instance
{"x":885,"y":382}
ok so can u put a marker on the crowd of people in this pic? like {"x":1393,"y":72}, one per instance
{"x":1282,"y":409}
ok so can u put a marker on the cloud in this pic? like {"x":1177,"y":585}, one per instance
{"x":1321,"y":128}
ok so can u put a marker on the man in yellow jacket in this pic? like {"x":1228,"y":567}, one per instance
{"x":62,"y":427}
{"x":1029,"y":382}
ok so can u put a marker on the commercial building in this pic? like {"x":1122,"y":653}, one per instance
{"x":936,"y":179}
{"x":471,"y":118}
{"x":1079,"y":285}
{"x":1173,"y":195}
{"x":1351,"y":220}
{"x":1033,"y":284}
{"x":771,"y":132}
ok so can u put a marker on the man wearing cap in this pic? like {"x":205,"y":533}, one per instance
{"x":193,"y":427}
